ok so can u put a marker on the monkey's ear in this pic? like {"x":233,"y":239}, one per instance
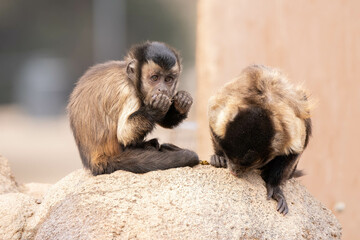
{"x":130,"y":69}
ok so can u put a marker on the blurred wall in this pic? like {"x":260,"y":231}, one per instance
{"x":316,"y":42}
{"x":47,"y":45}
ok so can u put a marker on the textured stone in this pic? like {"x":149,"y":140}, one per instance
{"x":7,"y":180}
{"x":183,"y":203}
{"x":15,"y":210}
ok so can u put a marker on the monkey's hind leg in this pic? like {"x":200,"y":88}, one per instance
{"x":274,"y":174}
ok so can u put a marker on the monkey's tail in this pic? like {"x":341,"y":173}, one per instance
{"x":140,"y":160}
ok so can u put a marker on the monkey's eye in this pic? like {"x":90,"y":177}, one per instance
{"x":154,"y":77}
{"x":169,"y":79}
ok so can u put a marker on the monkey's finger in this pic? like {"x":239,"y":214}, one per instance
{"x":162,"y":103}
{"x":280,"y":205}
{"x":270,"y":192}
{"x":183,"y":101}
{"x":165,"y":99}
{"x":286,"y":210}
{"x":157,"y":102}
{"x":153,"y":99}
{"x":187,"y":104}
{"x":165,"y":102}
{"x":183,"y":98}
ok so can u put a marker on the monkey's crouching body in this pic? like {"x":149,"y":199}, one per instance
{"x":260,"y":121}
{"x":116,"y":104}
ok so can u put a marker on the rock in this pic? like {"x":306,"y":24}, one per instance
{"x":7,"y":180}
{"x":182,"y":203}
{"x":36,"y":190}
{"x":15,"y":210}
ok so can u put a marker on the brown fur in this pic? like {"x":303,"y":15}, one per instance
{"x":260,"y":85}
{"x":266,"y":100}
{"x":101,"y":86}
{"x":110,"y":113}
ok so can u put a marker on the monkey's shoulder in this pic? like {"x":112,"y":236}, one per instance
{"x":106,"y":70}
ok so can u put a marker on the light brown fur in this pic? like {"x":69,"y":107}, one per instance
{"x":114,"y":106}
{"x":289,"y":105}
{"x":102,"y":86}
{"x":261,"y":121}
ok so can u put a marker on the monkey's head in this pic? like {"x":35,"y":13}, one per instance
{"x":154,"y":68}
{"x":238,"y":166}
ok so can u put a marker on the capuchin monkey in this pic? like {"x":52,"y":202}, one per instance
{"x":260,"y":121}
{"x":116,"y":104}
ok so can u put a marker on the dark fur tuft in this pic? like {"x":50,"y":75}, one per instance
{"x":161,"y":55}
{"x":248,"y":136}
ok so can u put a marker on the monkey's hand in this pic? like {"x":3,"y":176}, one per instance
{"x":182,"y":101}
{"x":161,"y":103}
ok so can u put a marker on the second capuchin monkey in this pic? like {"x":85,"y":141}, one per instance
{"x":261,"y":121}
{"x":116,"y":104}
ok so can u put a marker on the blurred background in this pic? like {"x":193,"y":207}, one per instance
{"x":47,"y":45}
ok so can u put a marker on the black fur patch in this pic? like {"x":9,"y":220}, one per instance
{"x":172,"y":118}
{"x":161,"y":55}
{"x":273,"y":173}
{"x":248,"y":137}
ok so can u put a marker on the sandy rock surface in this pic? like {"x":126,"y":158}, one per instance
{"x":15,"y":210}
{"x":183,"y":203}
{"x":7,"y":180}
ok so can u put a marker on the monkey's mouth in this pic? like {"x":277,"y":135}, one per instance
{"x":235,"y":169}
{"x":237,"y":172}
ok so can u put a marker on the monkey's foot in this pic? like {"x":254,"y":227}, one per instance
{"x":218,"y":161}
{"x":278,"y":195}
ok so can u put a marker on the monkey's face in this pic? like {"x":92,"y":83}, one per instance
{"x":156,"y":80}
{"x":235,"y":168}
{"x":238,"y":166}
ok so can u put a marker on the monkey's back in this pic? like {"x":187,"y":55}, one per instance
{"x":266,"y":88}
{"x":94,"y":108}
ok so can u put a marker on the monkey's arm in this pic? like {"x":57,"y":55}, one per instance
{"x":137,"y":120}
{"x":178,"y":110}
